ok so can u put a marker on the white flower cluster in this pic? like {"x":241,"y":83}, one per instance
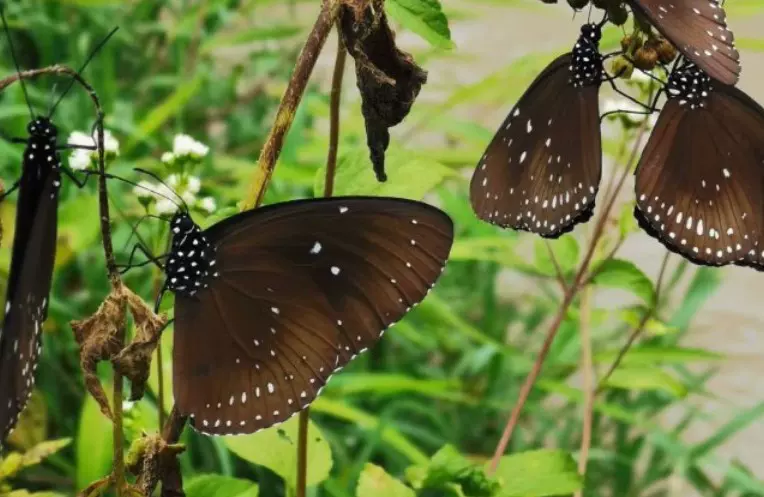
{"x":82,"y":158}
{"x":166,"y":195}
{"x":630,"y":112}
{"x":185,"y":147}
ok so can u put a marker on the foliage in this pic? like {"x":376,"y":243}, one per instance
{"x":419,"y":414}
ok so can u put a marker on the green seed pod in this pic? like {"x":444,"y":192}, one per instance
{"x":617,"y":14}
{"x":620,"y":67}
{"x":645,"y":58}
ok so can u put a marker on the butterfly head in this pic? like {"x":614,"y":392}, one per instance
{"x":586,"y":60}
{"x":191,"y":263}
{"x":42,"y":128}
{"x":689,"y":85}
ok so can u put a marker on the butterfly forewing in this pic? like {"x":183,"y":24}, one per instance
{"x":302,"y":288}
{"x":29,"y":284}
{"x":699,"y":181}
{"x":541,"y":171}
{"x":698,"y":28}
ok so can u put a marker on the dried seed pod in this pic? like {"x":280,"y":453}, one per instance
{"x":645,"y":58}
{"x":666,"y":51}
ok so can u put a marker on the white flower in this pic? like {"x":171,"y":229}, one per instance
{"x":193,"y":184}
{"x":110,"y":144}
{"x":168,"y":157}
{"x":208,"y":204}
{"x":78,"y":138}
{"x":80,"y":159}
{"x":166,"y":206}
{"x":184,"y":145}
{"x":145,"y":189}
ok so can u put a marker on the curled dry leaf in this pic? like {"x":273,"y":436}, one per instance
{"x":134,"y":361}
{"x":153,"y":460}
{"x":389,"y":80}
{"x":100,"y":338}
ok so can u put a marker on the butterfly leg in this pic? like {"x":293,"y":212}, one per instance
{"x":74,"y":178}
{"x":9,"y":191}
{"x":150,"y":259}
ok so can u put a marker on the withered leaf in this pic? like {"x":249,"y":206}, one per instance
{"x":153,"y":460}
{"x":389,"y":80}
{"x":134,"y":361}
{"x":100,"y":338}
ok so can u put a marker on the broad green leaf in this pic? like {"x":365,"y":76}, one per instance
{"x":15,"y":462}
{"x":423,"y":17}
{"x":646,"y":378}
{"x":618,"y":273}
{"x":407,"y":175}
{"x":276,"y":449}
{"x":94,"y":445}
{"x":652,"y":326}
{"x":374,"y":482}
{"x":220,"y":486}
{"x":538,"y":473}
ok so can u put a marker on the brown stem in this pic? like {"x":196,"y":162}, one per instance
{"x":302,"y":452}
{"x":557,"y":269}
{"x":638,"y":329}
{"x":587,"y":365}
{"x":570,"y":294}
{"x":334,"y":117}
{"x":118,"y":472}
{"x":289,"y":102}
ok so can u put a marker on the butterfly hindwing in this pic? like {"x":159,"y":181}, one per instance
{"x":699,"y":30}
{"x":302,"y":288}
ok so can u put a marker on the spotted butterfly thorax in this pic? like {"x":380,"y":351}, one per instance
{"x":541,"y":172}
{"x":700,"y":180}
{"x":698,"y":28}
{"x":271,"y":302}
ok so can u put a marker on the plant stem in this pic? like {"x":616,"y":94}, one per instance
{"x":557,"y":269}
{"x":334,"y":117}
{"x":118,"y":472}
{"x":568,"y":298}
{"x":289,"y":102}
{"x":587,"y":365}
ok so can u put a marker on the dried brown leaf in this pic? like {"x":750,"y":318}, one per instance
{"x":153,"y":460}
{"x":134,"y":361}
{"x":389,"y":80}
{"x":100,"y":338}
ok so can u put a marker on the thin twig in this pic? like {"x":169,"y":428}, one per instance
{"x":530,"y":380}
{"x":639,"y":328}
{"x":289,"y":102}
{"x":587,"y":365}
{"x":334,"y":117}
{"x":557,"y":269}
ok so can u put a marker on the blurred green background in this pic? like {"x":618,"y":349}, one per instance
{"x":683,"y":414}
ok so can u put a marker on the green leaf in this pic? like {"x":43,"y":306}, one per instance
{"x":423,"y":17}
{"x":276,"y":449}
{"x":374,"y":482}
{"x":703,"y":285}
{"x":407,"y":175}
{"x":220,"y":486}
{"x":538,"y":473}
{"x":646,"y":378}
{"x":618,"y":273}
{"x":734,"y":426}
{"x":648,"y":355}
{"x":94,"y":444}
{"x":15,"y":462}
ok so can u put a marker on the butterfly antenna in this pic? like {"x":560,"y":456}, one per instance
{"x":16,"y":62}
{"x":157,"y":178}
{"x":87,"y":61}
{"x":142,"y":187}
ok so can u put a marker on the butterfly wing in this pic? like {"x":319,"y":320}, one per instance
{"x":699,"y":180}
{"x":29,"y":282}
{"x":698,"y":28}
{"x":303,"y":287}
{"x":541,"y":171}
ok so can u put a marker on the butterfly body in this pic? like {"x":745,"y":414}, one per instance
{"x":541,"y":171}
{"x":700,"y":180}
{"x":31,"y":271}
{"x":293,"y":292}
{"x":191,"y":263}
